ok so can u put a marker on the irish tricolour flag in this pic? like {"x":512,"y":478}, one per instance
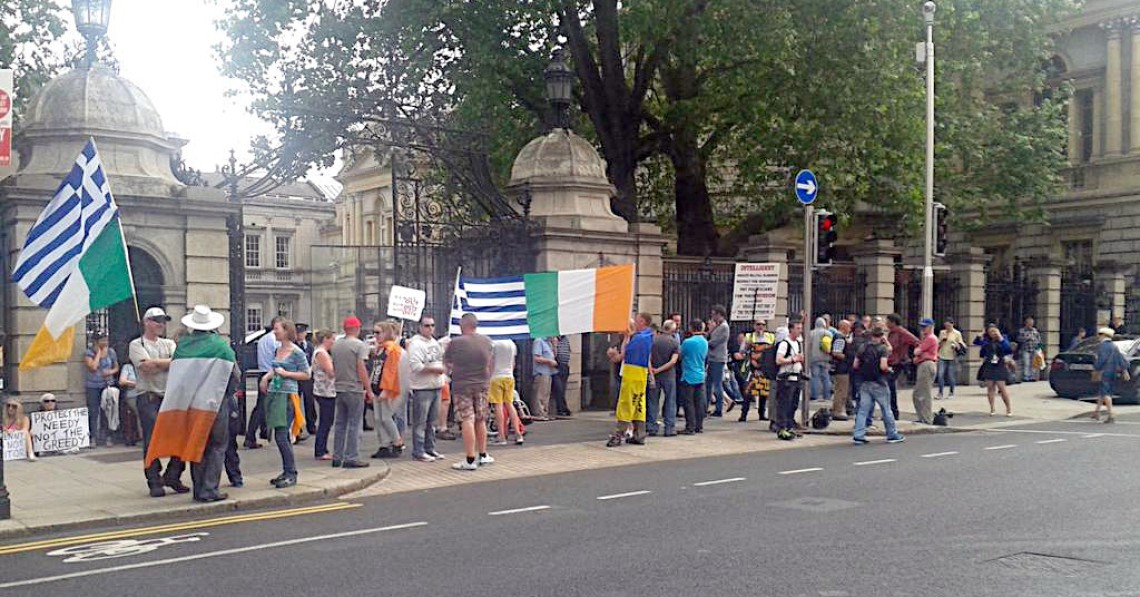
{"x":74,"y":260}
{"x":547,"y":304}
{"x":199,"y":374}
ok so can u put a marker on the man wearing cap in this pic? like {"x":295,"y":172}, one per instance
{"x":151,"y":354}
{"x":1110,"y":363}
{"x":925,"y":360}
{"x":842,"y":355}
{"x":352,"y":388}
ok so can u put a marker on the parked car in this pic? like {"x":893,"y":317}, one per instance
{"x":1070,"y":374}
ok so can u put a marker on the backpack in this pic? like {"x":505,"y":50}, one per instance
{"x":825,"y":344}
{"x":869,"y":363}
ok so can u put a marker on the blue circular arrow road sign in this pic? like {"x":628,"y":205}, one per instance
{"x":807,"y":187}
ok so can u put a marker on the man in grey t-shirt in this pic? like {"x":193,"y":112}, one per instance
{"x":666,"y":353}
{"x":351,"y":381}
{"x":718,"y":358}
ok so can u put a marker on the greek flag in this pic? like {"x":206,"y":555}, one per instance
{"x":81,"y":209}
{"x":499,"y":303}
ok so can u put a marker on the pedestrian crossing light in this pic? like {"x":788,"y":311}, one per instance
{"x":826,"y":224}
{"x":941,"y":229}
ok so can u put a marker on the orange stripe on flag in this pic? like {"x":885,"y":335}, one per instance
{"x":180,"y":433}
{"x":46,"y":350}
{"x":298,"y":415}
{"x":613,"y":298}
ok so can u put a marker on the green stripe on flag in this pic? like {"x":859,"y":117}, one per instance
{"x":104,"y":268}
{"x":203,"y":346}
{"x":542,"y":303}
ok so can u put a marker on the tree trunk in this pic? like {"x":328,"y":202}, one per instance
{"x":696,"y":230}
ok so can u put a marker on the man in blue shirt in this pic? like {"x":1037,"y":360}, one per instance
{"x":634,"y":383}
{"x":266,"y":353}
{"x":1110,"y":364}
{"x":545,"y":368}
{"x":690,"y":387}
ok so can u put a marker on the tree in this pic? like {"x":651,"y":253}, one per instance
{"x":29,"y":44}
{"x":701,"y":108}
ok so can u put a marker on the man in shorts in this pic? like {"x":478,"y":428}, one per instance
{"x":502,"y":393}
{"x":469,"y":359}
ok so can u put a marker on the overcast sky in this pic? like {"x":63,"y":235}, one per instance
{"x":166,"y":48}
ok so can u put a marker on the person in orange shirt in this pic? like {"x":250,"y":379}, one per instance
{"x":387,"y":388}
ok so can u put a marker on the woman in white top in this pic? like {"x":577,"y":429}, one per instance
{"x":325,"y":391}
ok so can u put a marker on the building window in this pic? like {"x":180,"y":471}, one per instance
{"x":282,"y":251}
{"x":285,"y":309}
{"x":1084,"y":99}
{"x":370,"y":236}
{"x":1078,"y":258}
{"x":252,"y":250}
{"x":253,"y":319}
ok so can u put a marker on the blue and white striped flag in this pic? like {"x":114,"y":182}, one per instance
{"x":499,"y":303}
{"x":81,"y":208}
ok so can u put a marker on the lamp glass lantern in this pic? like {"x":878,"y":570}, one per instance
{"x":559,"y":79}
{"x":91,"y":16}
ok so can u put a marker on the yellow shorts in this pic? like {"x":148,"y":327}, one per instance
{"x":631,"y":399}
{"x":502,"y":390}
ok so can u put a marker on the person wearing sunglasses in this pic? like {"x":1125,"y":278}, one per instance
{"x":17,"y":424}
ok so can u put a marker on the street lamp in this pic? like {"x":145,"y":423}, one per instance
{"x":91,"y":18}
{"x":928,"y":9}
{"x":559,"y":79}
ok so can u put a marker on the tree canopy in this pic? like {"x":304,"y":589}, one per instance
{"x":703,"y":109}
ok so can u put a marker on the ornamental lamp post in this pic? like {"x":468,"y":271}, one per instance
{"x":91,"y":19}
{"x":559,"y":79}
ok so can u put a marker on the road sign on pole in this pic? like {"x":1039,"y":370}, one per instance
{"x":807,"y":187}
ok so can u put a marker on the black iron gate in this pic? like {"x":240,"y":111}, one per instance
{"x":692,"y":286}
{"x":1010,"y":297}
{"x":836,"y":289}
{"x":1078,"y":306}
{"x":908,"y":295}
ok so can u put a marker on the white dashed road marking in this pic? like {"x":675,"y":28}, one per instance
{"x":1003,"y":447}
{"x":938,"y":454}
{"x":1052,"y":441}
{"x":801,"y":470}
{"x":617,"y":496}
{"x":1092,"y":435}
{"x":518,"y":510}
{"x":870,"y":462}
{"x":719,"y":481}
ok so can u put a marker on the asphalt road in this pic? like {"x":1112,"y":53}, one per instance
{"x":1038,"y":510}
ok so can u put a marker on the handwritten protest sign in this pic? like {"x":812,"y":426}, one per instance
{"x":14,"y":446}
{"x":60,"y":430}
{"x":406,"y":303}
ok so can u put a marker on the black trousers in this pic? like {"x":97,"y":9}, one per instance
{"x":692,"y":400}
{"x":257,"y":421}
{"x":892,"y":379}
{"x":148,"y":404}
{"x":787,"y":403}
{"x":558,"y":389}
{"x":206,"y":474}
{"x":310,"y":402}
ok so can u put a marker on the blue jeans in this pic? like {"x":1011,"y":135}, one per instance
{"x":871,"y":393}
{"x":821,"y":381}
{"x":348,"y":424}
{"x":425,"y":409}
{"x":668,"y":387}
{"x":714,"y":387}
{"x":947,"y":372}
{"x":1028,"y":373}
{"x":95,"y":414}
{"x":285,"y":445}
{"x":326,"y":409}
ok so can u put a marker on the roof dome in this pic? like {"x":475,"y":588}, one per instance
{"x":93,"y":101}
{"x":557,"y":155}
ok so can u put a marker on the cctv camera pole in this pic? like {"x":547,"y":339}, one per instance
{"x":927,"y":254}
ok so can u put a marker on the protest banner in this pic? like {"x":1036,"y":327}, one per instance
{"x":60,"y":430}
{"x":14,"y":446}
{"x":754,"y":289}
{"x":406,"y":303}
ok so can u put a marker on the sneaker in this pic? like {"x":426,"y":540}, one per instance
{"x":463,"y":465}
{"x":786,"y":435}
{"x":501,"y":442}
{"x":423,"y":458}
{"x":614,"y":441}
{"x":436,"y":455}
{"x":637,"y":441}
{"x":337,"y":463}
{"x":385,"y":452}
{"x":860,"y":441}
{"x":286,"y":482}
{"x":355,"y":464}
{"x":485,"y":460}
{"x":519,"y":441}
{"x":446,"y":434}
{"x":898,"y":439}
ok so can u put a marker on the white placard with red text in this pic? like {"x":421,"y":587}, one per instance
{"x":754,"y":289}
{"x":406,"y":303}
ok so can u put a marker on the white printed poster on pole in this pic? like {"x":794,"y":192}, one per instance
{"x":406,"y":303}
{"x":754,"y":291}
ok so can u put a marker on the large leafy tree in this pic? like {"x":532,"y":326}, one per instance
{"x":29,"y":44}
{"x":701,"y":108}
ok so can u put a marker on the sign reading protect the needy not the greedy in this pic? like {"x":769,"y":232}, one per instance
{"x":60,"y":430}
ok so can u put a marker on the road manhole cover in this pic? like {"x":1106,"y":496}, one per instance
{"x":816,"y":504}
{"x":1039,"y":562}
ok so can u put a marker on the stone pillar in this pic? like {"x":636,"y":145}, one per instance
{"x":1046,"y":273}
{"x":765,"y":248}
{"x":970,"y":267}
{"x":649,"y":289}
{"x":358,"y":220}
{"x":1114,"y":122}
{"x":1135,"y":88}
{"x":1112,"y":276}
{"x":1075,"y":133}
{"x":875,"y":259}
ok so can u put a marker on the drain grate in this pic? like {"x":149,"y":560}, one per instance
{"x":1038,"y":562}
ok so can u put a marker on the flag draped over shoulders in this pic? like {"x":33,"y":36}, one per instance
{"x":200,"y":372}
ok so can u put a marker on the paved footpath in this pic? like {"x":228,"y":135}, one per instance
{"x":106,"y":485}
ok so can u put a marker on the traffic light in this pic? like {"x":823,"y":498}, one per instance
{"x":941,"y":229}
{"x":826,"y":224}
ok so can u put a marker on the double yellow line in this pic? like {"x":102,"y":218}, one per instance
{"x":167,"y":528}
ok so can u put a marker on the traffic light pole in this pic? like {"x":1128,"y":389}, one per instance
{"x":809,"y":253}
{"x":928,"y":252}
